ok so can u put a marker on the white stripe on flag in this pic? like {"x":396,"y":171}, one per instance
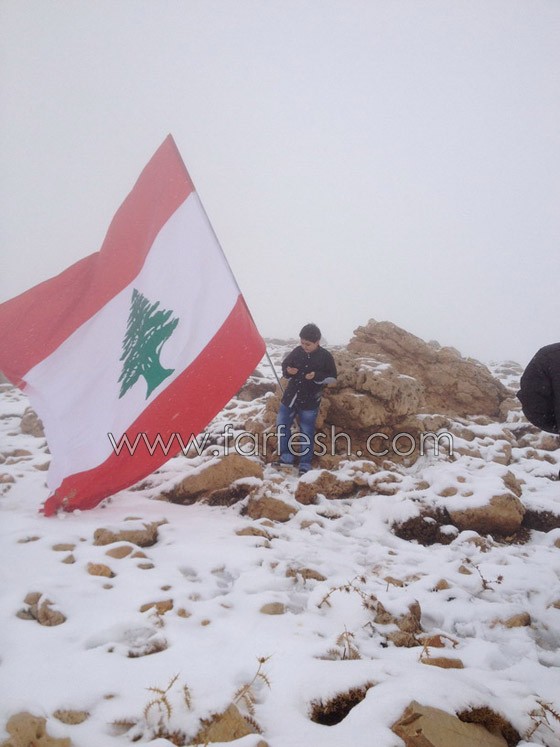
{"x":76,"y":389}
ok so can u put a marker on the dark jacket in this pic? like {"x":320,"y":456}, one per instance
{"x":540,"y":389}
{"x":302,"y":393}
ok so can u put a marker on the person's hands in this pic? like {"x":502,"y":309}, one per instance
{"x":292,"y":371}
{"x":310,"y":375}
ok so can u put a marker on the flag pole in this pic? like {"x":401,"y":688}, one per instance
{"x":272,"y":367}
{"x":235,"y":281}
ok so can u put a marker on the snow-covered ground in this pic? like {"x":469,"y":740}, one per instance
{"x":117,"y":664}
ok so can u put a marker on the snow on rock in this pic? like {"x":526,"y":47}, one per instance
{"x":452,"y":384}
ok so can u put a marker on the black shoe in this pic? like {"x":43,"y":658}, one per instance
{"x":277,"y":463}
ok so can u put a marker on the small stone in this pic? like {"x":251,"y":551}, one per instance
{"x":383,"y":617}
{"x":522,"y":620}
{"x":33,"y":597}
{"x":31,"y":424}
{"x":119,"y":552}
{"x":513,"y":484}
{"x":271,"y":508}
{"x":252,"y":532}
{"x":182,"y":612}
{"x":98,"y":569}
{"x":273,"y":608}
{"x":402,"y":640}
{"x":393,"y":581}
{"x":442,"y":661}
{"x":69,"y":559}
{"x":71,"y":717}
{"x":64,"y":547}
{"x":305,"y":573}
{"x":47,"y":616}
{"x":160,"y":607}
{"x":464,"y":570}
{"x":442,"y":585}
{"x":145,"y":537}
{"x":224,"y":727}
{"x":145,"y":566}
{"x":438,"y":641}
{"x":24,"y":615}
{"x":410,"y":623}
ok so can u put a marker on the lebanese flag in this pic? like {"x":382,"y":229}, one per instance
{"x":150,"y":335}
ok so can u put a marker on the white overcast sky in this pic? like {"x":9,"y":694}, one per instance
{"x":388,"y":159}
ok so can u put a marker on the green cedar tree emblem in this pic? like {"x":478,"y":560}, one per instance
{"x":147,"y":330}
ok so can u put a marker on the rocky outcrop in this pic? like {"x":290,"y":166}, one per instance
{"x":451,"y":384}
{"x":391,"y":382}
{"x":501,"y":516}
{"x":369,"y":392}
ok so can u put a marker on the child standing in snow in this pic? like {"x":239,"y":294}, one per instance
{"x":308,"y":368}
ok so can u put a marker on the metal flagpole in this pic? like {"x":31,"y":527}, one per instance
{"x":272,"y":367}
{"x":234,"y":278}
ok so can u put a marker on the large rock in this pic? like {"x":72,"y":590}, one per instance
{"x":214,"y":476}
{"x":452,"y":385}
{"x":369,"y":393}
{"x":422,"y":726}
{"x":26,"y":730}
{"x":502,"y":516}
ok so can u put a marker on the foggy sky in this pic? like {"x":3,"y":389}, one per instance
{"x":387,"y":159}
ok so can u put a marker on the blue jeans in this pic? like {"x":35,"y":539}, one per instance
{"x":307,"y":418}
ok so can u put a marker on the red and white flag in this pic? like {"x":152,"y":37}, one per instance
{"x":149,"y":335}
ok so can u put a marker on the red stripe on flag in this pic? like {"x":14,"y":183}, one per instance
{"x":185,"y":407}
{"x":35,"y":323}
